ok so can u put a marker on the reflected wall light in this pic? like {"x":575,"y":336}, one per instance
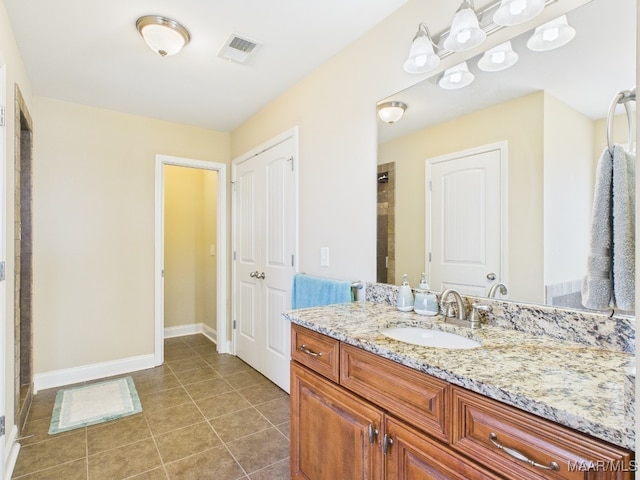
{"x":164,"y":36}
{"x":553,"y":34}
{"x":456,"y":77}
{"x":465,"y":30}
{"x":515,"y":12}
{"x":391,"y":112}
{"x":498,"y":58}
{"x":422,"y":57}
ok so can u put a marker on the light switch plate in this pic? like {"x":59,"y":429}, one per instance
{"x":324,"y":256}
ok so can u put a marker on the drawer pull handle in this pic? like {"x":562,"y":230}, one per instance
{"x":493,"y":438}
{"x":304,"y":349}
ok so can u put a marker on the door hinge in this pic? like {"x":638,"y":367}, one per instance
{"x":234,"y":325}
{"x":233,"y":186}
{"x":2,"y":114}
{"x":293,"y":261}
{"x":430,"y":185}
{"x":429,"y":256}
{"x":1,"y":425}
{"x":234,"y":255}
{"x":2,"y":271}
{"x":290,"y":159}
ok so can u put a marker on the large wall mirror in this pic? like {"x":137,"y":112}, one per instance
{"x":546,"y":118}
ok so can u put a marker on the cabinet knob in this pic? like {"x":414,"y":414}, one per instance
{"x":387,"y":441}
{"x":373,"y":433}
{"x":491,"y":276}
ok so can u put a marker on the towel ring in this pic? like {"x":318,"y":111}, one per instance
{"x":623,"y":97}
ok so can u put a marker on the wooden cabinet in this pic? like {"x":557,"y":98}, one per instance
{"x":520,"y":445}
{"x":316,"y":351}
{"x":412,"y":455}
{"x":334,"y":434}
{"x":355,"y":415}
{"x":419,"y":399}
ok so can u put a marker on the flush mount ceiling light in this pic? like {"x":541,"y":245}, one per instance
{"x":465,"y":30}
{"x":456,"y":77}
{"x":164,"y":36}
{"x":515,"y":12}
{"x":553,"y":34}
{"x":422,"y":57}
{"x":391,"y":112}
{"x":498,"y":58}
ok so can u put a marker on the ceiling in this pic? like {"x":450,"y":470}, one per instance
{"x":89,"y":52}
{"x":585,"y":74}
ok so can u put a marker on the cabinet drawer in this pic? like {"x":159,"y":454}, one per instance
{"x":504,"y":438}
{"x":316,"y":351}
{"x":414,"y":396}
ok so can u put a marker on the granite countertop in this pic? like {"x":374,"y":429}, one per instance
{"x":586,"y":388}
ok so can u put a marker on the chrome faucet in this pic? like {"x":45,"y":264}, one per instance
{"x":460,"y":306}
{"x":495,"y":287}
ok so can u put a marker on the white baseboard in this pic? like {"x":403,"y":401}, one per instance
{"x":85,"y":373}
{"x":12,"y":448}
{"x":191,"y":329}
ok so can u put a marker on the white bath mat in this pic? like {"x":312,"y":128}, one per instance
{"x":95,"y":403}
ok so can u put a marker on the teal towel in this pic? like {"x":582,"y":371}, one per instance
{"x":311,"y":291}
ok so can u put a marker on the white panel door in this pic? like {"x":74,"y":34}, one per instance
{"x":264,"y":266}
{"x":464,"y":221}
{"x":248,"y":261}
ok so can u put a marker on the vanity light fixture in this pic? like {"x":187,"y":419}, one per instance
{"x":391,"y":112}
{"x":515,"y":12}
{"x":465,"y":30}
{"x":456,"y":77}
{"x":498,"y":58}
{"x":422,"y":57}
{"x":164,"y":36}
{"x":551,"y":35}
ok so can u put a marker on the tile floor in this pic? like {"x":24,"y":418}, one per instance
{"x":205,"y":416}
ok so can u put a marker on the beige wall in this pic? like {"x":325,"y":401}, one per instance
{"x":189,"y":269}
{"x":568,"y":191}
{"x":334,"y":108}
{"x":519,"y":122}
{"x":15,"y":74}
{"x":93,"y":176}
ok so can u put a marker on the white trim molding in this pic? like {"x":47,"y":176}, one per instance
{"x":221,"y":250}
{"x":95,"y":371}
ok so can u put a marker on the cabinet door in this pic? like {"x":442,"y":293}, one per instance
{"x":411,"y":455}
{"x":332,"y":431}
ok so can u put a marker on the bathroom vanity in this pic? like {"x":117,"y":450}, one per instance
{"x":519,"y":406}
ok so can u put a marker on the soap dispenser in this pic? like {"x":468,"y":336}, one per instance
{"x":405,"y":296}
{"x":425,"y":303}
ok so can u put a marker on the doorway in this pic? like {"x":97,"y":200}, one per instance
{"x":24,"y":260}
{"x":215,"y":251}
{"x":386,"y":224}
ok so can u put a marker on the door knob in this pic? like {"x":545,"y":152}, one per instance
{"x":253,"y":274}
{"x":491,"y":276}
{"x":260,"y":275}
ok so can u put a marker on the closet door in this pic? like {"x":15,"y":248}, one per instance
{"x":264,"y":243}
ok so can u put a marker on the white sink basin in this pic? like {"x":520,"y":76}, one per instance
{"x":429,"y":338}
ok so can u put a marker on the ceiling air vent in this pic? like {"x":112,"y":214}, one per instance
{"x":238,"y":48}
